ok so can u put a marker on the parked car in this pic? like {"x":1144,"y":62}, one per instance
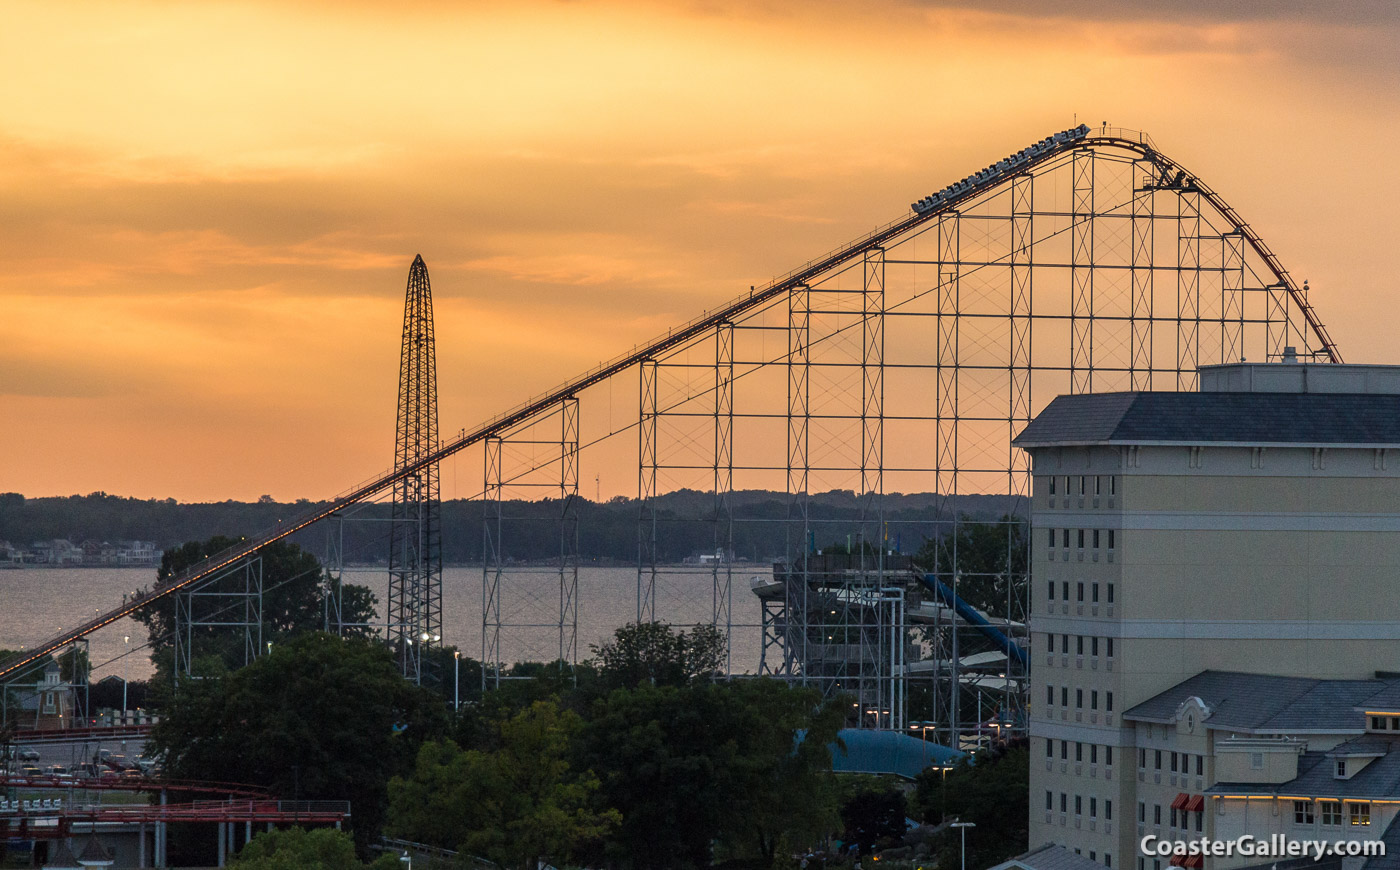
{"x":27,"y":753}
{"x":30,"y":770}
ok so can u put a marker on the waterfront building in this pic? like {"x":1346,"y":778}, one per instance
{"x":1245,"y":529}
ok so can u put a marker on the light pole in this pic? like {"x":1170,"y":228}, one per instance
{"x":964,"y":826}
{"x":126,"y":639}
{"x":456,"y":679}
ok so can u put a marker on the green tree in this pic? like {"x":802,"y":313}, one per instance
{"x":653,"y":653}
{"x":293,"y":602}
{"x":321,"y":717}
{"x":515,"y":804}
{"x":991,"y":790}
{"x":873,"y":815}
{"x":691,"y":765}
{"x":298,"y":849}
{"x":991,"y":557}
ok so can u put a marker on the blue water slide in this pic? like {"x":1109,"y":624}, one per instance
{"x":973,"y":618}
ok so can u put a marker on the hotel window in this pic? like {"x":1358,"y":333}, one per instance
{"x":1093,"y":646}
{"x":1095,"y":591}
{"x":1302,"y":812}
{"x":1067,"y":491}
{"x":1078,"y":751}
{"x":1050,"y":642}
{"x":1096,"y":539}
{"x":1110,"y":641}
{"x":1093,"y":753}
{"x":1108,"y":755}
{"x":1112,"y":486}
{"x":1107,"y":858}
{"x":1049,"y":696}
{"x":1157,"y":759}
{"x":1079,"y":699}
{"x":1064,"y":643}
{"x":1079,"y":644}
{"x":1142,"y":812}
{"x":1171,"y":822}
{"x":1093,"y":808}
{"x":1156,"y":814}
{"x":1200,"y":765}
{"x":1064,"y":537}
{"x":1110,"y":593}
{"x":1050,"y":589}
{"x":1081,"y":485}
{"x":1173,"y":762}
{"x":1052,"y":484}
{"x":1064,"y":802}
{"x":1110,"y":539}
{"x":1331,"y":812}
{"x":1079,"y":592}
{"x":1049,"y":749}
{"x":1064,"y":696}
{"x":1360,"y":813}
{"x":1108,"y":702}
{"x":1200,"y":820}
{"x":1108,"y":811}
{"x":1097,"y":484}
{"x":1142,"y":759}
{"x":1081,"y":538}
{"x":1094,"y":699}
{"x":1064,"y":750}
{"x":1064,"y":590}
{"x":1049,"y":796}
{"x":1093,"y":856}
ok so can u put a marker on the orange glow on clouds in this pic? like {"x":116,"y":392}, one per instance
{"x":207,"y":211}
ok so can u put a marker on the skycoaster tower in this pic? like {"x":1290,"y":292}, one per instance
{"x":415,"y":549}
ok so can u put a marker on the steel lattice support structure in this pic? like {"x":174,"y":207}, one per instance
{"x":415,"y":544}
{"x":538,"y":460}
{"x":901,"y":363}
{"x":228,"y":599}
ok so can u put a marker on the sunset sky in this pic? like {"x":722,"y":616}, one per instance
{"x":208,"y":210}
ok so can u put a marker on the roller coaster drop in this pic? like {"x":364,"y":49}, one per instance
{"x":904,"y":361}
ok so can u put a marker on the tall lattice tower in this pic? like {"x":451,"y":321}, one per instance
{"x":415,"y":549}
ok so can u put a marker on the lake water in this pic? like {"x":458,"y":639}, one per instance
{"x":37,"y":603}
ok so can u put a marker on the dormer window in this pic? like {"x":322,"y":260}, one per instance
{"x":1341,"y":768}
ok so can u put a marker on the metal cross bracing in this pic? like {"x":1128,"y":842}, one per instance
{"x":535,"y":602}
{"x":231,"y":598}
{"x":900,"y":363}
{"x":415,"y":542}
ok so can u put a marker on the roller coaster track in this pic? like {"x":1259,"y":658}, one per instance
{"x":972,"y":187}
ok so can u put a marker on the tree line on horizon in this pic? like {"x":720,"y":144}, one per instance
{"x":530,"y":529}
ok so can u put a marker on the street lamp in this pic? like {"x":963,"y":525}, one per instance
{"x":456,"y":679}
{"x":964,"y":826}
{"x":126,"y":639}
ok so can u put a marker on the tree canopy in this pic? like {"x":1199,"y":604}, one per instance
{"x":514,"y":804}
{"x":299,"y":849}
{"x":293,"y":602}
{"x":653,"y":653}
{"x":991,"y":558}
{"x":321,"y":717}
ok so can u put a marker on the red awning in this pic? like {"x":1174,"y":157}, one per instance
{"x":1178,"y":861}
{"x":1180,"y":801}
{"x":1196,"y":861}
{"x":1196,"y":804}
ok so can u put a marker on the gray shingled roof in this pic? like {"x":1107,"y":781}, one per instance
{"x":1050,"y":857}
{"x":1266,"y":703}
{"x":1391,"y":859}
{"x":1379,"y":780}
{"x":1200,"y":418}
